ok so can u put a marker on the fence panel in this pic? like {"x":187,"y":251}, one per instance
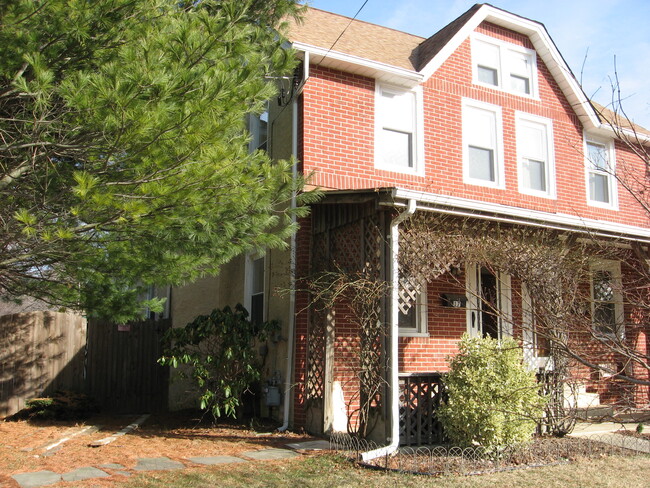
{"x":122,"y":372}
{"x":40,"y":352}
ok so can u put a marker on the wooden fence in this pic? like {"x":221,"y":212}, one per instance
{"x":40,"y":352}
{"x":122,"y":372}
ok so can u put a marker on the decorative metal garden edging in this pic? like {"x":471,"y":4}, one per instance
{"x":454,"y":460}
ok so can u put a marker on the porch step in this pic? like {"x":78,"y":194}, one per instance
{"x":580,"y":399}
{"x":595,"y":412}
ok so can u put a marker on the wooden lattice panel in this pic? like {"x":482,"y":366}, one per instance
{"x":420,"y":397}
{"x":347,"y":251}
{"x":407,"y":294}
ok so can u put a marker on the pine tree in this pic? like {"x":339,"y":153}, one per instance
{"x":123,"y":155}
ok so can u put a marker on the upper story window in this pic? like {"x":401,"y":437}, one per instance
{"x":503,"y":65}
{"x":535,"y":155}
{"x":398,"y":122}
{"x":601,"y":182}
{"x":607,"y":301}
{"x":482,"y":144}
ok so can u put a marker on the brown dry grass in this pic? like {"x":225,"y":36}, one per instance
{"x":177,"y":436}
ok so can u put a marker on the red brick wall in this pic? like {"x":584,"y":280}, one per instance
{"x":339,"y":137}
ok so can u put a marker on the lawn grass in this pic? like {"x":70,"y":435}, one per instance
{"x":329,"y":471}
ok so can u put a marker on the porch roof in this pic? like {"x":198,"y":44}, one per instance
{"x":399,"y":197}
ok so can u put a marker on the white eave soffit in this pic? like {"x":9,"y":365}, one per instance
{"x":361,"y":66}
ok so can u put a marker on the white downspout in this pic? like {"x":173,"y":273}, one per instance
{"x":393,"y":380}
{"x":291,"y":326}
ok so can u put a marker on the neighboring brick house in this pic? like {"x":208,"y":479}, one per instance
{"x":482,"y":122}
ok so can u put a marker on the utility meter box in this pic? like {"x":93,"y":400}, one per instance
{"x":272,"y":396}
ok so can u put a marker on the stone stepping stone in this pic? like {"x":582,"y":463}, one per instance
{"x":111,"y":466}
{"x":157,"y":464}
{"x":212,"y":460}
{"x":319,"y":445}
{"x":270,"y":454}
{"x":36,"y":479}
{"x":84,"y":474}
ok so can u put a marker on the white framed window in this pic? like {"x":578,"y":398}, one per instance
{"x":606,"y":298}
{"x":414,"y":322}
{"x":535,"y":155}
{"x":600,"y":166}
{"x":504,"y":66}
{"x":255,"y":287}
{"x":398,"y":126}
{"x":482,"y":144}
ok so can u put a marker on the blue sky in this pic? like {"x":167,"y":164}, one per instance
{"x":596,"y":37}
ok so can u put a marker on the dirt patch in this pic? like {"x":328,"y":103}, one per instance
{"x":24,"y":444}
{"x":632,"y":433}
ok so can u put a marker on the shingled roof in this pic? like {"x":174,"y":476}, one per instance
{"x":362,"y":39}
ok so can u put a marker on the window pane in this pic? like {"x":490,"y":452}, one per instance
{"x":396,"y":148}
{"x":258,"y":276}
{"x":603,"y":288}
{"x":520,"y":84}
{"x":408,"y":321}
{"x":398,"y":110}
{"x":534,"y":175}
{"x":597,"y":155}
{"x":257,"y":308}
{"x":481,"y":163}
{"x":488,"y":75}
{"x":599,"y":187}
{"x":604,"y":306}
{"x":487,"y":56}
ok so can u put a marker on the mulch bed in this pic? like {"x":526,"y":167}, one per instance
{"x":177,"y":435}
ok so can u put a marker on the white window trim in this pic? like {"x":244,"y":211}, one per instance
{"x":504,"y":48}
{"x":421,"y":325}
{"x":248,"y":283}
{"x":613,"y":184}
{"x":499,"y":166}
{"x":614,"y":267}
{"x":551,"y":188}
{"x":418,"y":135}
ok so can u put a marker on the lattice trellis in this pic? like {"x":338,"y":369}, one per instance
{"x":420,"y":397}
{"x":315,"y":381}
{"x":354,"y":247}
{"x":407,"y":294}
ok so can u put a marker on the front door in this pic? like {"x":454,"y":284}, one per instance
{"x":489,"y":306}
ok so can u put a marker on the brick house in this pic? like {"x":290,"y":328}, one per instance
{"x":482,"y":123}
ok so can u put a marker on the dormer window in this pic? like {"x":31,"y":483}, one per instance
{"x":504,"y":66}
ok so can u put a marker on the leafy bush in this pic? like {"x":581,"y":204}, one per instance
{"x":493,"y":399}
{"x":219,"y":349}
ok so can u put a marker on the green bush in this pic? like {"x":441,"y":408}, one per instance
{"x":493,"y":399}
{"x":219,"y":350}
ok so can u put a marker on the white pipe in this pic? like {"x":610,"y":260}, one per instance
{"x":291,"y":326}
{"x":393,"y":380}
